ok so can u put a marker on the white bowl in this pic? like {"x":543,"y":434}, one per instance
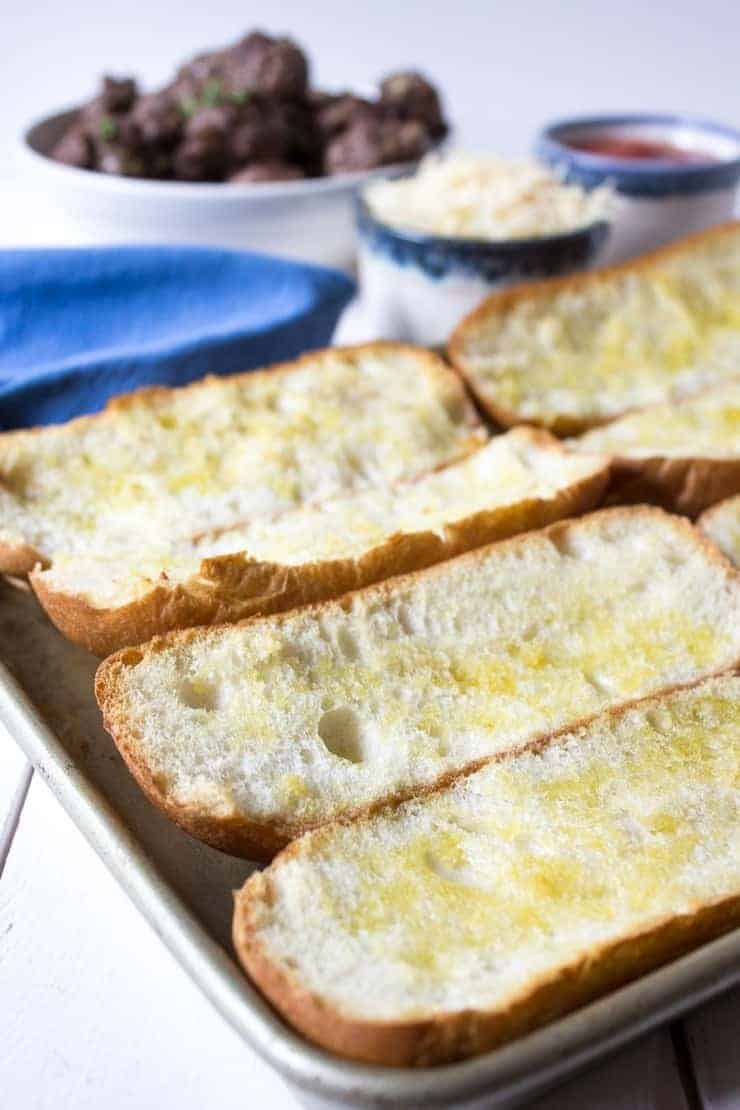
{"x":312,"y":220}
{"x":655,"y":201}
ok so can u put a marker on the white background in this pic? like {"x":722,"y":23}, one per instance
{"x":93,"y":1012}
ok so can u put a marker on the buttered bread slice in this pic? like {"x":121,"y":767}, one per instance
{"x":579,"y":351}
{"x":518,"y":481}
{"x":437,"y":930}
{"x":164,"y":464}
{"x":249,"y":734}
{"x":722,"y":524}
{"x":684,"y":455}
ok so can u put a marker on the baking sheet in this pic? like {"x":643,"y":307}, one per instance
{"x":184,"y":889}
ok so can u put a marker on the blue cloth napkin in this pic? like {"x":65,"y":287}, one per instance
{"x":80,"y":325}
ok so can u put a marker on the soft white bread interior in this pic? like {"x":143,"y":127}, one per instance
{"x":684,"y":455}
{"x":520,"y":480}
{"x":576,"y":352}
{"x":437,"y":930}
{"x":249,"y":734}
{"x":163,"y":464}
{"x":722,"y":524}
{"x":706,"y":425}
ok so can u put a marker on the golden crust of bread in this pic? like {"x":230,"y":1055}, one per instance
{"x":233,"y":587}
{"x":22,"y":558}
{"x":234,"y":833}
{"x":500,"y":302}
{"x":448,"y":1037}
{"x":687,"y":485}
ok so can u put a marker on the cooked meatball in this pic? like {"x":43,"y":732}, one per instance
{"x":410,"y":96}
{"x":203,"y":154}
{"x":359,"y":147}
{"x":255,"y":136}
{"x":92,"y":115}
{"x":267,"y":171}
{"x":247,"y":113}
{"x":257,"y":64}
{"x":199,"y":83}
{"x":118,"y":94}
{"x":302,"y":142}
{"x":369,"y":143}
{"x":202,"y":158}
{"x":159,"y":164}
{"x":404,"y":141}
{"x":211,"y":123}
{"x":75,"y":148}
{"x":319,"y":98}
{"x":194,"y":74}
{"x":274,"y":67}
{"x":158,"y":118}
{"x":338,"y":112}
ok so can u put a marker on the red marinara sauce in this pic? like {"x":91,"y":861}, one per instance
{"x":614,"y":146}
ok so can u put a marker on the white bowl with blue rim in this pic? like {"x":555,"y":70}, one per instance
{"x":417,"y":286}
{"x":657,"y":199}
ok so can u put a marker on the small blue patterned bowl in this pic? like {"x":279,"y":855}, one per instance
{"x":417,"y":287}
{"x":656,"y":199}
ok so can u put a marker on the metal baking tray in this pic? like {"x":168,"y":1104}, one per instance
{"x":184,"y":889}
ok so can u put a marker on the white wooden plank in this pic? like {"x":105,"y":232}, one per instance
{"x":713,"y":1034}
{"x":101,"y":1014}
{"x":644,"y":1076}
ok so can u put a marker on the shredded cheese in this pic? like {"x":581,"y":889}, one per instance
{"x":486,"y":197}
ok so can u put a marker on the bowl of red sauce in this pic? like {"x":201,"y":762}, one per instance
{"x":670,"y":174}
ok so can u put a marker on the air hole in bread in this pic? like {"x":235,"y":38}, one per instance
{"x":403,"y":616}
{"x":449,"y":874}
{"x":434,"y":728}
{"x":469,"y":825}
{"x":324,"y":631}
{"x":341,"y":731}
{"x":347,"y":644}
{"x":197,"y":693}
{"x":294,"y":654}
{"x":602,"y":684}
{"x":456,"y":406}
{"x":524,"y":456}
{"x":659,"y":720}
{"x":675,"y":559}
